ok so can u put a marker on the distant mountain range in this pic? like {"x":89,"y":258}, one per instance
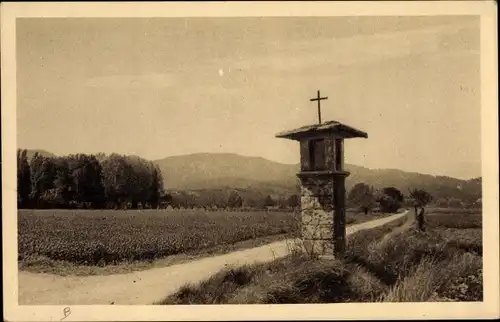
{"x":222,"y":171}
{"x":256,"y":176}
{"x":213,"y":170}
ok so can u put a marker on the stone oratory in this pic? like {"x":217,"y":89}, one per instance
{"x":322,"y":176}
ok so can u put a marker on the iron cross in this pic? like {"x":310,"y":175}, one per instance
{"x":319,"y":98}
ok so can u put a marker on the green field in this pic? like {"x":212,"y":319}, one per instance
{"x":109,"y":237}
{"x":83,"y":241}
{"x":385,"y":264}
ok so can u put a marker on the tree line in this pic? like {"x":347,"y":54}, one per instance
{"x":87,"y":181}
{"x":114,"y":182}
{"x":388,"y":199}
{"x":233,"y":200}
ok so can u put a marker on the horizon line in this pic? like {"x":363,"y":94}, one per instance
{"x":251,"y":156}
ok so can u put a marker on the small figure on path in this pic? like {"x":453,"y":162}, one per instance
{"x":420,"y":219}
{"x":420,"y":199}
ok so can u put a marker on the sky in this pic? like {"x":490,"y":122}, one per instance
{"x":159,"y":87}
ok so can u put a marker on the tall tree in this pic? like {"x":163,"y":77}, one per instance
{"x":42,"y":176}
{"x":115,"y":180}
{"x":86,"y":173}
{"x":361,"y":195}
{"x":390,"y":199}
{"x":130,"y":179}
{"x":138,"y":180}
{"x":156,"y":190}
{"x":63,"y":182}
{"x":23,"y":179}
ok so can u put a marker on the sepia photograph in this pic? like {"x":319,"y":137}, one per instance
{"x":240,"y":156}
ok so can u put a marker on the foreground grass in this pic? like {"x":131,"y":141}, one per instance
{"x":442,"y":264}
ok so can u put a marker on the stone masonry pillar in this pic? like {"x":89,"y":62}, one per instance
{"x":323,"y":214}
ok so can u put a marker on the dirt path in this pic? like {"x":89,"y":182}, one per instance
{"x":149,"y":286}
{"x":410,"y":221}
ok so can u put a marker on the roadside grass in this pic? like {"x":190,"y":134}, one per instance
{"x":440,"y":264}
{"x":104,"y":242}
{"x":356,"y":217}
{"x":292,"y":279}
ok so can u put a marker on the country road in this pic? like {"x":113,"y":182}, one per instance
{"x":148,"y":286}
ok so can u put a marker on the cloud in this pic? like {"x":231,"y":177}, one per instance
{"x":298,"y":56}
{"x":131,"y":81}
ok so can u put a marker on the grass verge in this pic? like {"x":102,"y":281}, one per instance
{"x":441,"y":264}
